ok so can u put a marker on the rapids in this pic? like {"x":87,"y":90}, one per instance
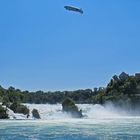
{"x":52,"y":112}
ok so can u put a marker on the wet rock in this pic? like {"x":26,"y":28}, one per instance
{"x":69,"y":106}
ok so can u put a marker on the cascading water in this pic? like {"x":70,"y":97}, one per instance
{"x":98,"y":111}
{"x":90,"y":111}
{"x":100,"y":122}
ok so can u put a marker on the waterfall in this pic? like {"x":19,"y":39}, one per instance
{"x":54,"y":112}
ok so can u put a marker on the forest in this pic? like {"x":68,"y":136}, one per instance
{"x":122,"y":90}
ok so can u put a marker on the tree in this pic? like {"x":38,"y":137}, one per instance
{"x":18,"y":108}
{"x":3,"y":113}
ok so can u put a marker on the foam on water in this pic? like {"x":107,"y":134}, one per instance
{"x":71,"y":129}
{"x":98,"y":111}
{"x":101,"y":122}
{"x":54,"y":112}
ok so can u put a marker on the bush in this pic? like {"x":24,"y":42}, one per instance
{"x":3,"y":113}
{"x":5,"y":101}
{"x":18,"y":108}
{"x":35,"y":114}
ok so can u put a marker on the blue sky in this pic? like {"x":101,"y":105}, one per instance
{"x":43,"y":46}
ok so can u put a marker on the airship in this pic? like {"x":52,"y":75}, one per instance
{"x":74,"y":9}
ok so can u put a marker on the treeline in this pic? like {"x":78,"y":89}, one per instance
{"x":121,"y":89}
{"x":39,"y":97}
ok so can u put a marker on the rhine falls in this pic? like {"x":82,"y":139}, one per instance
{"x":54,"y":112}
{"x":99,"y":123}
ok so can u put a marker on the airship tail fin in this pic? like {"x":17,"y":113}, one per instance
{"x":81,"y":11}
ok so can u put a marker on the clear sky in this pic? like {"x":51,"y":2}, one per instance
{"x":45,"y":47}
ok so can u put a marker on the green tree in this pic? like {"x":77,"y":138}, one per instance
{"x":3,"y":113}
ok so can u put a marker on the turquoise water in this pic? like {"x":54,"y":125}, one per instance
{"x":71,"y":129}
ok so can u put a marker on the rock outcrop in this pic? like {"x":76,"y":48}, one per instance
{"x":35,"y":114}
{"x":70,"y":107}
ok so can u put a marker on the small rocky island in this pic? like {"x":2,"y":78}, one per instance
{"x":69,"y":106}
{"x":17,"y":111}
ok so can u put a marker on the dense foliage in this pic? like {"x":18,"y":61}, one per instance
{"x":11,"y":95}
{"x":121,"y":89}
{"x":3,"y":113}
{"x":18,"y":108}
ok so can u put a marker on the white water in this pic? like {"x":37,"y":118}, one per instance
{"x":102,"y":123}
{"x":54,"y":112}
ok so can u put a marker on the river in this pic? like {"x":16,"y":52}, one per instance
{"x":99,"y":124}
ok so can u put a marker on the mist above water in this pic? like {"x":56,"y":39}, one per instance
{"x":54,"y":112}
{"x":90,"y":111}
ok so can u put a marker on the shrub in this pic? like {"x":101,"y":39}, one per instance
{"x":3,"y":113}
{"x":5,"y":101}
{"x":18,"y":108}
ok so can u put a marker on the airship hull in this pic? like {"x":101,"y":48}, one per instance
{"x":74,"y":9}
